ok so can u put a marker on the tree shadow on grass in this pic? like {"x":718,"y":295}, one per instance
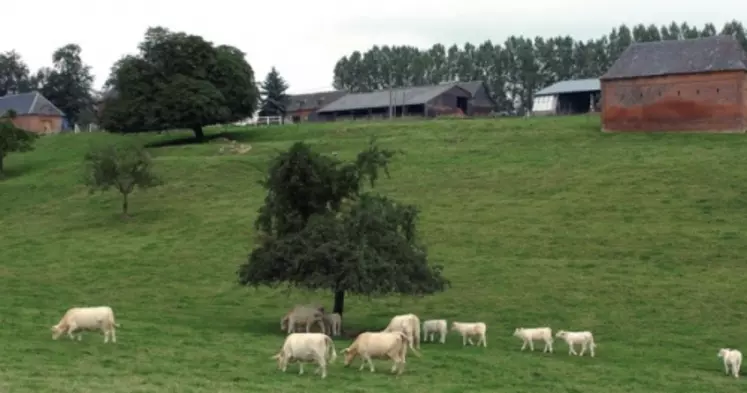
{"x":225,"y":136}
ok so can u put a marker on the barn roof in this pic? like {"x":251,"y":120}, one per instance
{"x":31,"y":103}
{"x":311,"y":101}
{"x":380,"y":99}
{"x":570,"y":86}
{"x":669,"y":57}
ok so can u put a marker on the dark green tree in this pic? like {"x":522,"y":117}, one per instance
{"x":15,"y":76}
{"x":178,"y":81}
{"x":319,"y":230}
{"x":274,"y":97}
{"x":13,"y":139}
{"x":122,"y":167}
{"x":68,"y":84}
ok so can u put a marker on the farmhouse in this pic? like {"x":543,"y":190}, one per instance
{"x":424,"y":101}
{"x":33,"y":112}
{"x":688,"y":85}
{"x":567,"y":97}
{"x":303,"y":107}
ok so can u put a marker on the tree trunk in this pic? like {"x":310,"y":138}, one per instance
{"x":339,"y":302}
{"x":199,"y":134}
{"x":2,"y":173}
{"x":125,"y":204}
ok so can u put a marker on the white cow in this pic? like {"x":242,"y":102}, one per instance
{"x":307,"y":347}
{"x":304,"y":315}
{"x":333,"y":323}
{"x":408,"y":324}
{"x":433,"y":326}
{"x":78,"y":319}
{"x":368,"y":345}
{"x":530,"y":335}
{"x":585,"y":338}
{"x":732,"y":360}
{"x":471,"y":329}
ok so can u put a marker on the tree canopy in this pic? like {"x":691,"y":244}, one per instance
{"x":12,"y":138}
{"x":178,"y":80}
{"x":68,"y":84}
{"x":319,"y":230}
{"x":274,"y":97}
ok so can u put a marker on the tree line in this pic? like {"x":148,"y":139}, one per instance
{"x":515,"y":69}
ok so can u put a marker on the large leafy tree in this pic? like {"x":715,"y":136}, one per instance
{"x":12,"y":138}
{"x":68,"y":83}
{"x":15,"y":76}
{"x":274,"y":97}
{"x":319,"y":230}
{"x":178,"y":80}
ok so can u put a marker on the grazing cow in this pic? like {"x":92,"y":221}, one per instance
{"x":305,"y":315}
{"x":530,"y":335}
{"x":368,"y":345}
{"x":408,"y":324}
{"x":585,"y":338}
{"x":307,"y":347}
{"x":471,"y":329}
{"x":78,"y":319}
{"x":732,"y":360}
{"x":433,"y":326}
{"x":333,"y":323}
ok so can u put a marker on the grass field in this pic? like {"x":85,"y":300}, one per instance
{"x":638,"y":238}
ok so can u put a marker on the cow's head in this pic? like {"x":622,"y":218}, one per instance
{"x":350,"y":354}
{"x":57,"y":331}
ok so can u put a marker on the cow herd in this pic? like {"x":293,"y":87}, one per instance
{"x":402,"y":332}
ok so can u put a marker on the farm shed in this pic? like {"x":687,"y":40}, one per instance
{"x":567,"y":97}
{"x":409,"y":101}
{"x":33,"y":112}
{"x":482,"y":102}
{"x":303,"y":107}
{"x":679,"y":85}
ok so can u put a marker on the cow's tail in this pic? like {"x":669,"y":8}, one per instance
{"x":406,"y":337}
{"x":331,"y":349}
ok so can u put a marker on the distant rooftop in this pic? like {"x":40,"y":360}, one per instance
{"x":570,"y":86}
{"x":31,"y":103}
{"x":381,"y":98}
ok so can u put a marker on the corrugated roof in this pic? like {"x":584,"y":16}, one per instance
{"x":669,"y":57}
{"x":380,"y":99}
{"x":312,"y":101}
{"x":31,"y":103}
{"x":571,"y":86}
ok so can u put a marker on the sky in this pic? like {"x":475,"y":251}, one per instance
{"x":304,"y":39}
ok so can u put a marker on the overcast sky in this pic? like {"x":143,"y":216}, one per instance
{"x":304,"y":39}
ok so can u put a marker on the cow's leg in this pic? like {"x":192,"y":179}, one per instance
{"x":524,"y":345}
{"x":583,"y":348}
{"x":300,"y":368}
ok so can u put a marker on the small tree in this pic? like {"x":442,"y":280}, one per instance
{"x":123,"y":167}
{"x":319,"y":231}
{"x":13,"y":139}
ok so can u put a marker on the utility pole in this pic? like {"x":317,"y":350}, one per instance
{"x":391,"y":93}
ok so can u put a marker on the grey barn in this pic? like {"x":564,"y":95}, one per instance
{"x":568,"y":97}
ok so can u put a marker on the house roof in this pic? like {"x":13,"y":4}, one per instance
{"x":379,"y":99}
{"x":31,"y":103}
{"x":669,"y":57}
{"x":570,"y":86}
{"x":312,"y":101}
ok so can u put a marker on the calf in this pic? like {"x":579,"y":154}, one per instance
{"x":307,"y":347}
{"x":585,"y":338}
{"x":333,"y":323}
{"x":469,"y":330}
{"x":368,"y":345}
{"x":433,"y":326}
{"x":77,"y":319}
{"x":529,"y":335}
{"x":732,"y":360}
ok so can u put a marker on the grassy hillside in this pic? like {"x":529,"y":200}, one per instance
{"x":639,"y":238}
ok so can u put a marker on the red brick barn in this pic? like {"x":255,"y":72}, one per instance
{"x":679,"y":85}
{"x":33,"y":112}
